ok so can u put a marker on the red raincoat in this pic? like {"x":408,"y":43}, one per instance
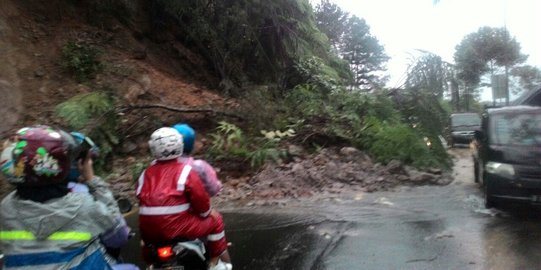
{"x":173,"y":203}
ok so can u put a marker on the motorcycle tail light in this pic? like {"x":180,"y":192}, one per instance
{"x":165,"y":253}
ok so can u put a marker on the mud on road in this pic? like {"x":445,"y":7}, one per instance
{"x":463,"y":164}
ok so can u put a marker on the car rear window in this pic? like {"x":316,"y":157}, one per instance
{"x":516,"y":129}
{"x":465,"y":120}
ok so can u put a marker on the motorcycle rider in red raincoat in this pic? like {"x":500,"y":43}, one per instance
{"x":173,"y":203}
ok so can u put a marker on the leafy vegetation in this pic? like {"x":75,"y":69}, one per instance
{"x":79,"y":110}
{"x":350,"y":37}
{"x":398,"y":141}
{"x":421,"y":101}
{"x":313,"y":71}
{"x":246,"y":41}
{"x":81,"y":60}
{"x":489,"y":50}
{"x":229,"y":141}
{"x":528,"y":78}
{"x":370,"y":122}
{"x":92,"y":114}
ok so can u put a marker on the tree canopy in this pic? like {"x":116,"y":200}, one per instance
{"x":247,"y":41}
{"x":351,"y":38}
{"x":529,"y":78}
{"x":430,"y":74}
{"x":332,"y":21}
{"x":487,"y":50}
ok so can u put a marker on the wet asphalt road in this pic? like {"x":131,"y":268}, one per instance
{"x":412,"y":228}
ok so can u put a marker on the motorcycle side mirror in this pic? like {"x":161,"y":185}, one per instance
{"x":124,"y":205}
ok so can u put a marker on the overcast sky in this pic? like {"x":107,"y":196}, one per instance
{"x":403,"y":26}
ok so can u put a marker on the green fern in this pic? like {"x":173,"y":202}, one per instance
{"x":93,"y":114}
{"x":229,"y":141}
{"x":265,"y":152}
{"x":228,"y":138}
{"x":80,"y":109}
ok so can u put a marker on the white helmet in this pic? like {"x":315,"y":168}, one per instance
{"x":166,"y":143}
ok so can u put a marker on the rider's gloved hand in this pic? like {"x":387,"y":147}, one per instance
{"x":86,"y":168}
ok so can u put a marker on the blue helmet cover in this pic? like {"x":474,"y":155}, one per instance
{"x":188,"y":135}
{"x":79,"y":137}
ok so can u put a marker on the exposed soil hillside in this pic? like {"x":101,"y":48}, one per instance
{"x":139,"y":71}
{"x":136,"y":69}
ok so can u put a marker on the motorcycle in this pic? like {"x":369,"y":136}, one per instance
{"x":181,"y":254}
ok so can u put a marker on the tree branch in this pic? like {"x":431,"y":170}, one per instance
{"x":180,"y":109}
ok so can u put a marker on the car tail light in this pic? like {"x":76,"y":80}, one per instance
{"x":165,"y":253}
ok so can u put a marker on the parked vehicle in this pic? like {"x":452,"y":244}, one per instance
{"x":507,"y":155}
{"x":531,"y":98}
{"x":463,"y":126}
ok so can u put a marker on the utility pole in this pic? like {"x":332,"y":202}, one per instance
{"x":506,"y":85}
{"x":506,"y":41}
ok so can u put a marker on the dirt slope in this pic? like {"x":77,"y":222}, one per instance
{"x":33,"y":81}
{"x":137,"y":70}
{"x":10,"y":101}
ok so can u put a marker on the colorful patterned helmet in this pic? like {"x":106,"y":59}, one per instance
{"x":188,"y":134}
{"x":42,"y":155}
{"x":166,"y":143}
{"x":7,"y":164}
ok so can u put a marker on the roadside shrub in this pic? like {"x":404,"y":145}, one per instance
{"x":386,"y":142}
{"x":339,"y":115}
{"x":353,"y":109}
{"x":305,"y":100}
{"x":262,"y":110}
{"x":313,"y":71}
{"x":81,"y":60}
{"x":429,"y":116}
{"x":265,"y":150}
{"x":229,"y":141}
{"x":366,"y":121}
{"x":267,"y":147}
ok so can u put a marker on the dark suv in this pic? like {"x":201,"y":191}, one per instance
{"x":507,"y":155}
{"x":463,"y":126}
